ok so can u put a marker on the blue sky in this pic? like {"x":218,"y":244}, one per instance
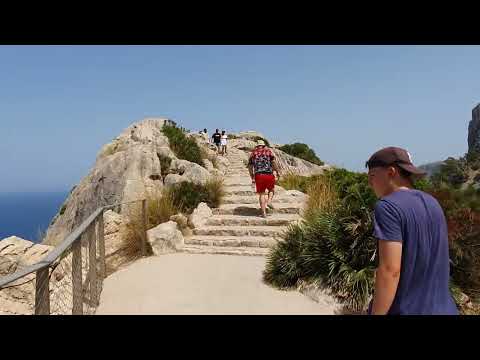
{"x":60,"y":104}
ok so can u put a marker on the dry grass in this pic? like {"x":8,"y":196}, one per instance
{"x":215,"y":190}
{"x":133,"y":232}
{"x":159,"y":210}
{"x":291,"y":181}
{"x":322,"y":195}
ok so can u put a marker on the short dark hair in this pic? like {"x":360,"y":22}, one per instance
{"x":404,"y":173}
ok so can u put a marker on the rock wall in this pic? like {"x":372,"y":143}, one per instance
{"x":474,"y":131}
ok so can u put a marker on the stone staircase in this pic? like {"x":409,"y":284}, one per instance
{"x":236,"y":227}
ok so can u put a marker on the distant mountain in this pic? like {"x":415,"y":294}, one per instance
{"x":432,"y":168}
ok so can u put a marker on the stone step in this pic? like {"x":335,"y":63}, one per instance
{"x":224,"y":250}
{"x":254,"y":210}
{"x":232,"y":241}
{"x":241,"y":182}
{"x":253,"y":199}
{"x":237,"y":182}
{"x":223,"y":230}
{"x":245,"y":190}
{"x":232,"y":173}
{"x":236,"y":220}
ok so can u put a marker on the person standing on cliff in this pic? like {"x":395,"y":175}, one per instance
{"x":205,"y":135}
{"x":217,"y":139}
{"x":413,"y":270}
{"x":223,"y":142}
{"x":261,"y":165}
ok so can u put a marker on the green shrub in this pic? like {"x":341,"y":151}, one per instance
{"x":184,"y":147}
{"x":165,"y":162}
{"x":283,"y":268}
{"x":187,"y":195}
{"x":334,"y":245}
{"x":302,"y":151}
{"x":453,"y":172}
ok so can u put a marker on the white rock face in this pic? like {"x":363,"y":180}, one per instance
{"x":250,"y":135}
{"x":126,"y":169}
{"x":200,"y":216}
{"x":15,"y":254}
{"x":165,"y":238}
{"x":189,"y":171}
{"x":172,"y":179}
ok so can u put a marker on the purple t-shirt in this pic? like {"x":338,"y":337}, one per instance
{"x":417,"y":220}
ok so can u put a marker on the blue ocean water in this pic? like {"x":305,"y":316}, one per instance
{"x":26,"y":214}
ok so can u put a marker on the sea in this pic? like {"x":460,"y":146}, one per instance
{"x":27,"y":215}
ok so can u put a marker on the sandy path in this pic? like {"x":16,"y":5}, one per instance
{"x":199,"y":284}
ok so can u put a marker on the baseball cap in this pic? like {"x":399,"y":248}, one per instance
{"x":260,"y":143}
{"x":394,"y":156}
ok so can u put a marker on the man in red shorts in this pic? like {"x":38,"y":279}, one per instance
{"x":261,"y":166}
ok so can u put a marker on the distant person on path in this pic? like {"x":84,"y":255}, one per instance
{"x":223,"y":142}
{"x":261,"y":166}
{"x":413,"y":269}
{"x":205,"y":135}
{"x":216,"y":139}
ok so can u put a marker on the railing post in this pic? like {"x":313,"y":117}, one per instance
{"x":144,"y":227}
{"x":42,"y":292}
{"x":101,"y":245}
{"x":92,"y":264}
{"x":77,"y":292}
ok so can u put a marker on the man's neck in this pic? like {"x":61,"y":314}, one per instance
{"x":397,"y":187}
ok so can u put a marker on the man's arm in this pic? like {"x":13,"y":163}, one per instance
{"x":387,"y":276}
{"x":275,"y":167}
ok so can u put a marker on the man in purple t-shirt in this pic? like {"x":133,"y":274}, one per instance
{"x":413,"y":263}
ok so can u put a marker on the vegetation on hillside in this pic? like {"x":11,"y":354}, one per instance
{"x":187,"y":195}
{"x":456,"y":172}
{"x":302,"y":151}
{"x":184,"y":147}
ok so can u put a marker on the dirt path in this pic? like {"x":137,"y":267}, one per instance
{"x":200,"y":284}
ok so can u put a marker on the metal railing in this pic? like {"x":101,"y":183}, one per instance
{"x":70,"y":278}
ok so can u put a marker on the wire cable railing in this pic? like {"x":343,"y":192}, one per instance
{"x":69,"y":279}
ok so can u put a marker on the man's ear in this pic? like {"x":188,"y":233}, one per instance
{"x":392,"y":171}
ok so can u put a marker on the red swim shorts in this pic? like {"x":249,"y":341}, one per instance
{"x":264,"y":181}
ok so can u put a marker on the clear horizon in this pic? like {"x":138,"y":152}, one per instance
{"x":60,"y":104}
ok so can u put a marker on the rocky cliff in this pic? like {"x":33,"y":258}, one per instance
{"x":474,"y":131}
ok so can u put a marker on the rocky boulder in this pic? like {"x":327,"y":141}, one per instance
{"x":474,"y":131}
{"x":200,"y":216}
{"x":188,"y":171}
{"x":15,"y":254}
{"x":165,"y":238}
{"x":296,"y":165}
